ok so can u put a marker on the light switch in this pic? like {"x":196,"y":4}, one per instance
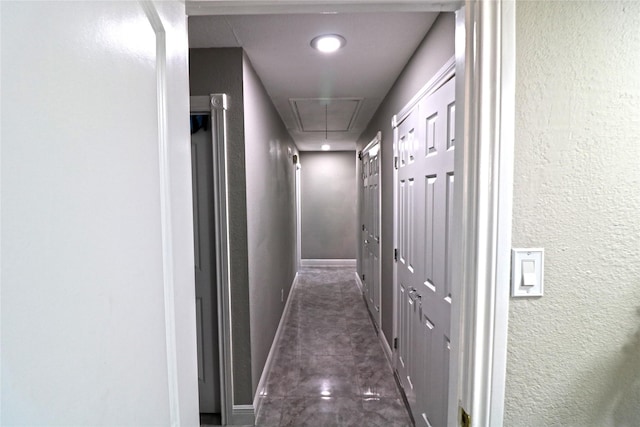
{"x":527,"y":272}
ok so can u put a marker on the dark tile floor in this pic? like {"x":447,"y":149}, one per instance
{"x":330,"y":368}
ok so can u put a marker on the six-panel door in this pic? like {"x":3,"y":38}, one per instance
{"x":371,"y":230}
{"x":425,"y":185}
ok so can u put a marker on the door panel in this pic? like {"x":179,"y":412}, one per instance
{"x":371,"y":228}
{"x":425,"y":149}
{"x":205,"y":274}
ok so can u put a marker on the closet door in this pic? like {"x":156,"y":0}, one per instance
{"x":371,"y":227}
{"x":426,"y":147}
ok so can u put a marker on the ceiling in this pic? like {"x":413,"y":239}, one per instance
{"x":321,"y":98}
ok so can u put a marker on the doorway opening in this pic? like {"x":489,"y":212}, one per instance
{"x":484,"y":174}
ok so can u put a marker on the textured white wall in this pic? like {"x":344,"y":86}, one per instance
{"x":574,"y":354}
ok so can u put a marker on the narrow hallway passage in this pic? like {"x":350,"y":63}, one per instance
{"x":330,"y":368}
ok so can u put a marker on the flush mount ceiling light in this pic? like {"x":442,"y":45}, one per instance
{"x":328,"y":43}
{"x":325,"y":147}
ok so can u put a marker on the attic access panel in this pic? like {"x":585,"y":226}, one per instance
{"x":325,"y":114}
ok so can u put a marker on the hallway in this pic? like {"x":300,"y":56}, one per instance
{"x":329,"y":367}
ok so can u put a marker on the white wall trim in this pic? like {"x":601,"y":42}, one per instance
{"x":231,"y":7}
{"x":260,"y":392}
{"x":328,"y":263}
{"x":298,"y":178}
{"x":444,"y":74}
{"x":218,"y":104}
{"x":242,"y":415}
{"x":165,"y":213}
{"x":359,"y":282}
{"x":486,"y":190}
{"x":381,"y":336}
{"x":385,"y":346}
{"x":457,"y":313}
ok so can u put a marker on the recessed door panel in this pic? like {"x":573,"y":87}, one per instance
{"x":205,"y":275}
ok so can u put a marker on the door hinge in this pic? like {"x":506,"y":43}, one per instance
{"x":360,"y":155}
{"x":362,"y":227}
{"x":395,"y":343}
{"x":465,"y":419}
{"x":395,"y":255}
{"x":395,"y":162}
{"x":363,"y":277}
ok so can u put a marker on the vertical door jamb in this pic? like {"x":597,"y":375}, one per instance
{"x":458,"y":287}
{"x":298,"y":214}
{"x":486,"y":204}
{"x":217,"y":105}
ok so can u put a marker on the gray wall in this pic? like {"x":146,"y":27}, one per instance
{"x":574,"y":354}
{"x":270,"y":215}
{"x":436,"y":48}
{"x":220,"y":71}
{"x":328,"y":187}
{"x":261,"y":208}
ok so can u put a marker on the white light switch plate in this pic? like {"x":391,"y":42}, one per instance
{"x":527,"y":281}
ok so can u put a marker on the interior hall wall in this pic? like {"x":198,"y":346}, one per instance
{"x":574,"y":354}
{"x":220,"y":70}
{"x":328,"y":201}
{"x":432,"y":53}
{"x":271,"y":222}
{"x":97,"y":297}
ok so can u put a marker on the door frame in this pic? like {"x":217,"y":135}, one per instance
{"x":216,"y":105}
{"x":485,"y":53}
{"x":298,"y":182}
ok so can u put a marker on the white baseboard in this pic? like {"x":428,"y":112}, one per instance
{"x":383,"y":339}
{"x":359,"y":282}
{"x":328,"y":263}
{"x":260,"y":391}
{"x":242,"y":415}
{"x":385,"y":346}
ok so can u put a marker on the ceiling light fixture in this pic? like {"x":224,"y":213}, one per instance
{"x":328,"y":43}
{"x":325,"y":147}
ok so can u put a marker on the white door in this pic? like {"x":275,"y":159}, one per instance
{"x":371,"y":272}
{"x":425,"y":144}
{"x":205,"y":274}
{"x":97,"y":307}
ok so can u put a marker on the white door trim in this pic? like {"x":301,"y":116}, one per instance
{"x":488,"y":41}
{"x":298,"y":177}
{"x":217,"y":105}
{"x":165,"y":212}
{"x":486,"y":189}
